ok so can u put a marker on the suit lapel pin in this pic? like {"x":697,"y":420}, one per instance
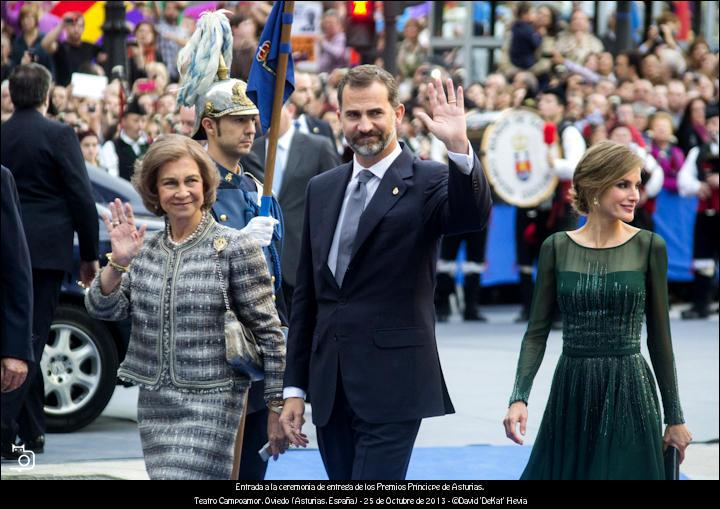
{"x":228,"y":177}
{"x":396,"y":191}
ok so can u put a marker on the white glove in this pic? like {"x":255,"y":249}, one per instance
{"x":260,"y":229}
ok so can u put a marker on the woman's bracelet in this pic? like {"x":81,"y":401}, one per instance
{"x":115,"y":265}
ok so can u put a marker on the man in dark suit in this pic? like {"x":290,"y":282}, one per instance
{"x":298,"y":158}
{"x":362,"y":332}
{"x":56,"y":202}
{"x":301,"y":98}
{"x":16,"y":308}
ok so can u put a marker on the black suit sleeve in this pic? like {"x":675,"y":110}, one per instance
{"x":304,"y":311}
{"x":78,"y":192}
{"x":17,"y":298}
{"x":458,"y":203}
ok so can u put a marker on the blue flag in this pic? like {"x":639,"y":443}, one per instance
{"x":263,"y":73}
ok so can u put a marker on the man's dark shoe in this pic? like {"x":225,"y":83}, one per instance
{"x":36,"y":445}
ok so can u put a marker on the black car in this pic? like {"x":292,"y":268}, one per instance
{"x":82,"y":355}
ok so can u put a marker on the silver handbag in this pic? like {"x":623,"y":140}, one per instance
{"x":241,"y":350}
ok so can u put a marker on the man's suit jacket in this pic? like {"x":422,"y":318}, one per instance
{"x":55,"y":195}
{"x":17,"y":300}
{"x":378,"y":330}
{"x":309,"y":155}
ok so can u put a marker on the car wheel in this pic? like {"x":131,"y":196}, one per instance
{"x":79,"y":365}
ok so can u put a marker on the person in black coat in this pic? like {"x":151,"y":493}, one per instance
{"x":56,"y":202}
{"x":524,"y":40}
{"x":16,"y":307}
{"x":362,"y":330}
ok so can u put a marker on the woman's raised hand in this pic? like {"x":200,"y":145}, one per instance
{"x":125,"y":239}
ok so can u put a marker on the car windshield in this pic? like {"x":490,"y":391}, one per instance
{"x":107,"y":187}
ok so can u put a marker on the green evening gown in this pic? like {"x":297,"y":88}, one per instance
{"x":602,"y":419}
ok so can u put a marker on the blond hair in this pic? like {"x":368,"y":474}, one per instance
{"x":599,"y":168}
{"x":168,"y":148}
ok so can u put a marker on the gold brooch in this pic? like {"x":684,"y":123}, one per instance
{"x":228,"y":177}
{"x":396,"y":191}
{"x":220,"y":244}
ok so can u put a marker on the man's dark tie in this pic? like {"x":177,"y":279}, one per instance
{"x":353,"y":211}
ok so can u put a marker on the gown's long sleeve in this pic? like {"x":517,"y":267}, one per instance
{"x":658,"y":328}
{"x":541,"y":316}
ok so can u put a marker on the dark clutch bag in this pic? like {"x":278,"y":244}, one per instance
{"x":672,"y":464}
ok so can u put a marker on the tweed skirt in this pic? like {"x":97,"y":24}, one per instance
{"x":189,"y":435}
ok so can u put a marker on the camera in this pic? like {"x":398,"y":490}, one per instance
{"x":26,"y":460}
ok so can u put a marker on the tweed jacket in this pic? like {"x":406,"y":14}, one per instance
{"x":173,"y":297}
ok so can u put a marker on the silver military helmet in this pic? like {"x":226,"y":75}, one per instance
{"x":224,"y":97}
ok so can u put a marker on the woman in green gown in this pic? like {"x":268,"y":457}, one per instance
{"x":602,"y":419}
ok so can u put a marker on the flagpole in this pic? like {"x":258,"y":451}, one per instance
{"x":276,"y":111}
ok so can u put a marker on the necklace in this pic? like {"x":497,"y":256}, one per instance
{"x":198,"y":229}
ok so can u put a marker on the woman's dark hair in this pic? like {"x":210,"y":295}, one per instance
{"x":686,"y":130}
{"x":29,"y":86}
{"x":553,"y":29}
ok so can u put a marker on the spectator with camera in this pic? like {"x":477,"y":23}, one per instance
{"x":73,"y":54}
{"x":143,"y":51}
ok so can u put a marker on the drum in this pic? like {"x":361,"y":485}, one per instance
{"x":514,"y":157}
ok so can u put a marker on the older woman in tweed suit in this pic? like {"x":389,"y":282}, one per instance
{"x":190,"y":402}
